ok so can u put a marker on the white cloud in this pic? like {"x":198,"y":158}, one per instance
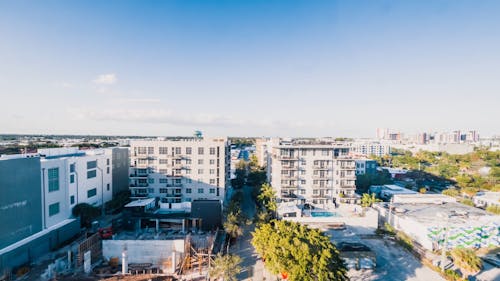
{"x":166,"y":116}
{"x":63,"y":85}
{"x":106,"y":79}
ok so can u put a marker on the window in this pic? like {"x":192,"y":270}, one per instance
{"x":151,"y":190}
{"x":163,"y":161}
{"x":188,"y":190}
{"x":200,"y":161}
{"x":188,"y":171}
{"x":107,"y":187}
{"x":72,"y":200}
{"x":200,"y":151}
{"x":304,"y":152}
{"x":178,"y":181}
{"x":302,"y":182}
{"x":107,"y":161}
{"x":91,"y":174}
{"x":72,"y":179}
{"x":178,"y":150}
{"x":212,"y":161}
{"x":163,"y":190}
{"x":200,"y":171}
{"x":163,"y":150}
{"x":72,"y":168}
{"x":150,"y":180}
{"x":212,"y":150}
{"x":212,"y":190}
{"x":200,"y":190}
{"x":189,"y":150}
{"x":91,"y":165}
{"x":188,"y":199}
{"x":212,"y":181}
{"x":107,"y":170}
{"x":142,"y":161}
{"x":151,"y":150}
{"x":53,"y":209}
{"x":53,"y":175}
{"x":212,"y":171}
{"x":188,"y":161}
{"x":163,"y":180}
{"x":189,"y":180}
{"x":163,"y":171}
{"x":91,"y":192}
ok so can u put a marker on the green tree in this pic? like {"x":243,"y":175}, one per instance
{"x":303,"y":253}
{"x":267,"y":197}
{"x":367,"y":200}
{"x":422,"y":190}
{"x":86,"y":212}
{"x":225,"y":267}
{"x":466,"y":260}
{"x":234,"y":225}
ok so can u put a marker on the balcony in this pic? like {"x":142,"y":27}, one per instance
{"x":173,"y":195}
{"x":289,"y":177}
{"x":324,"y":168}
{"x":322,"y":177}
{"x":287,"y":157}
{"x":139,"y":185}
{"x":138,"y":175}
{"x":287,"y":186}
{"x":174,"y":185}
{"x":322,"y":187}
{"x":288,"y":167}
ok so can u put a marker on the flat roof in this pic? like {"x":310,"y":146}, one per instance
{"x":451,"y":213}
{"x":140,"y":202}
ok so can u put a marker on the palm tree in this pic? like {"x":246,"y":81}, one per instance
{"x":225,"y":267}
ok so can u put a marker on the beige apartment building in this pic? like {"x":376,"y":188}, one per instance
{"x":318,"y":172}
{"x":180,"y":169}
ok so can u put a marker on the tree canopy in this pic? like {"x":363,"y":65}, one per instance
{"x":226,"y":267}
{"x":300,"y":252}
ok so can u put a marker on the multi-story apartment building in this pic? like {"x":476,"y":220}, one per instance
{"x":180,"y":169}
{"x":40,"y":190}
{"x":368,"y":148}
{"x":313,"y":171}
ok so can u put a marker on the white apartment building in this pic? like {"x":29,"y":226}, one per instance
{"x":71,"y":176}
{"x":180,"y":169}
{"x":367,"y":148}
{"x":263,"y":147}
{"x":313,"y":171}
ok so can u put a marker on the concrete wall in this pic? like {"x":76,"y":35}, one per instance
{"x":144,"y":251}
{"x":21,"y":199}
{"x":41,"y":244}
{"x":121,"y":163}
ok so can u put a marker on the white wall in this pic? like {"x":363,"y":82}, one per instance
{"x":143,"y":251}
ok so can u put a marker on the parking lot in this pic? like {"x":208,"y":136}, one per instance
{"x":393,"y":262}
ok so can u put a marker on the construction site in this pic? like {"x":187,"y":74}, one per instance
{"x":137,"y":246}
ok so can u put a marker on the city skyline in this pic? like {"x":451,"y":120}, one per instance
{"x":294,"y":68}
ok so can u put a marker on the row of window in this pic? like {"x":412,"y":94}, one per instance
{"x":317,"y":151}
{"x":175,"y":150}
{"x":174,"y":181}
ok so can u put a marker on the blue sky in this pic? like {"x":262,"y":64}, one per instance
{"x":251,"y":68}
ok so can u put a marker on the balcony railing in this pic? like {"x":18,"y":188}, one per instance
{"x":287,"y":186}
{"x":321,"y":167}
{"x":174,"y":185}
{"x":138,"y":175}
{"x":139,"y":185}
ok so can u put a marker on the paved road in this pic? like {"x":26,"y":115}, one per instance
{"x":253,"y":268}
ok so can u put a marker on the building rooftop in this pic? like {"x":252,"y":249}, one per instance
{"x":451,"y":213}
{"x":140,"y":203}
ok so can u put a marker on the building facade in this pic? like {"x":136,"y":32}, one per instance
{"x":366,"y":166}
{"x":312,"y":171}
{"x":180,"y":169}
{"x":368,"y":148}
{"x":21,"y":199}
